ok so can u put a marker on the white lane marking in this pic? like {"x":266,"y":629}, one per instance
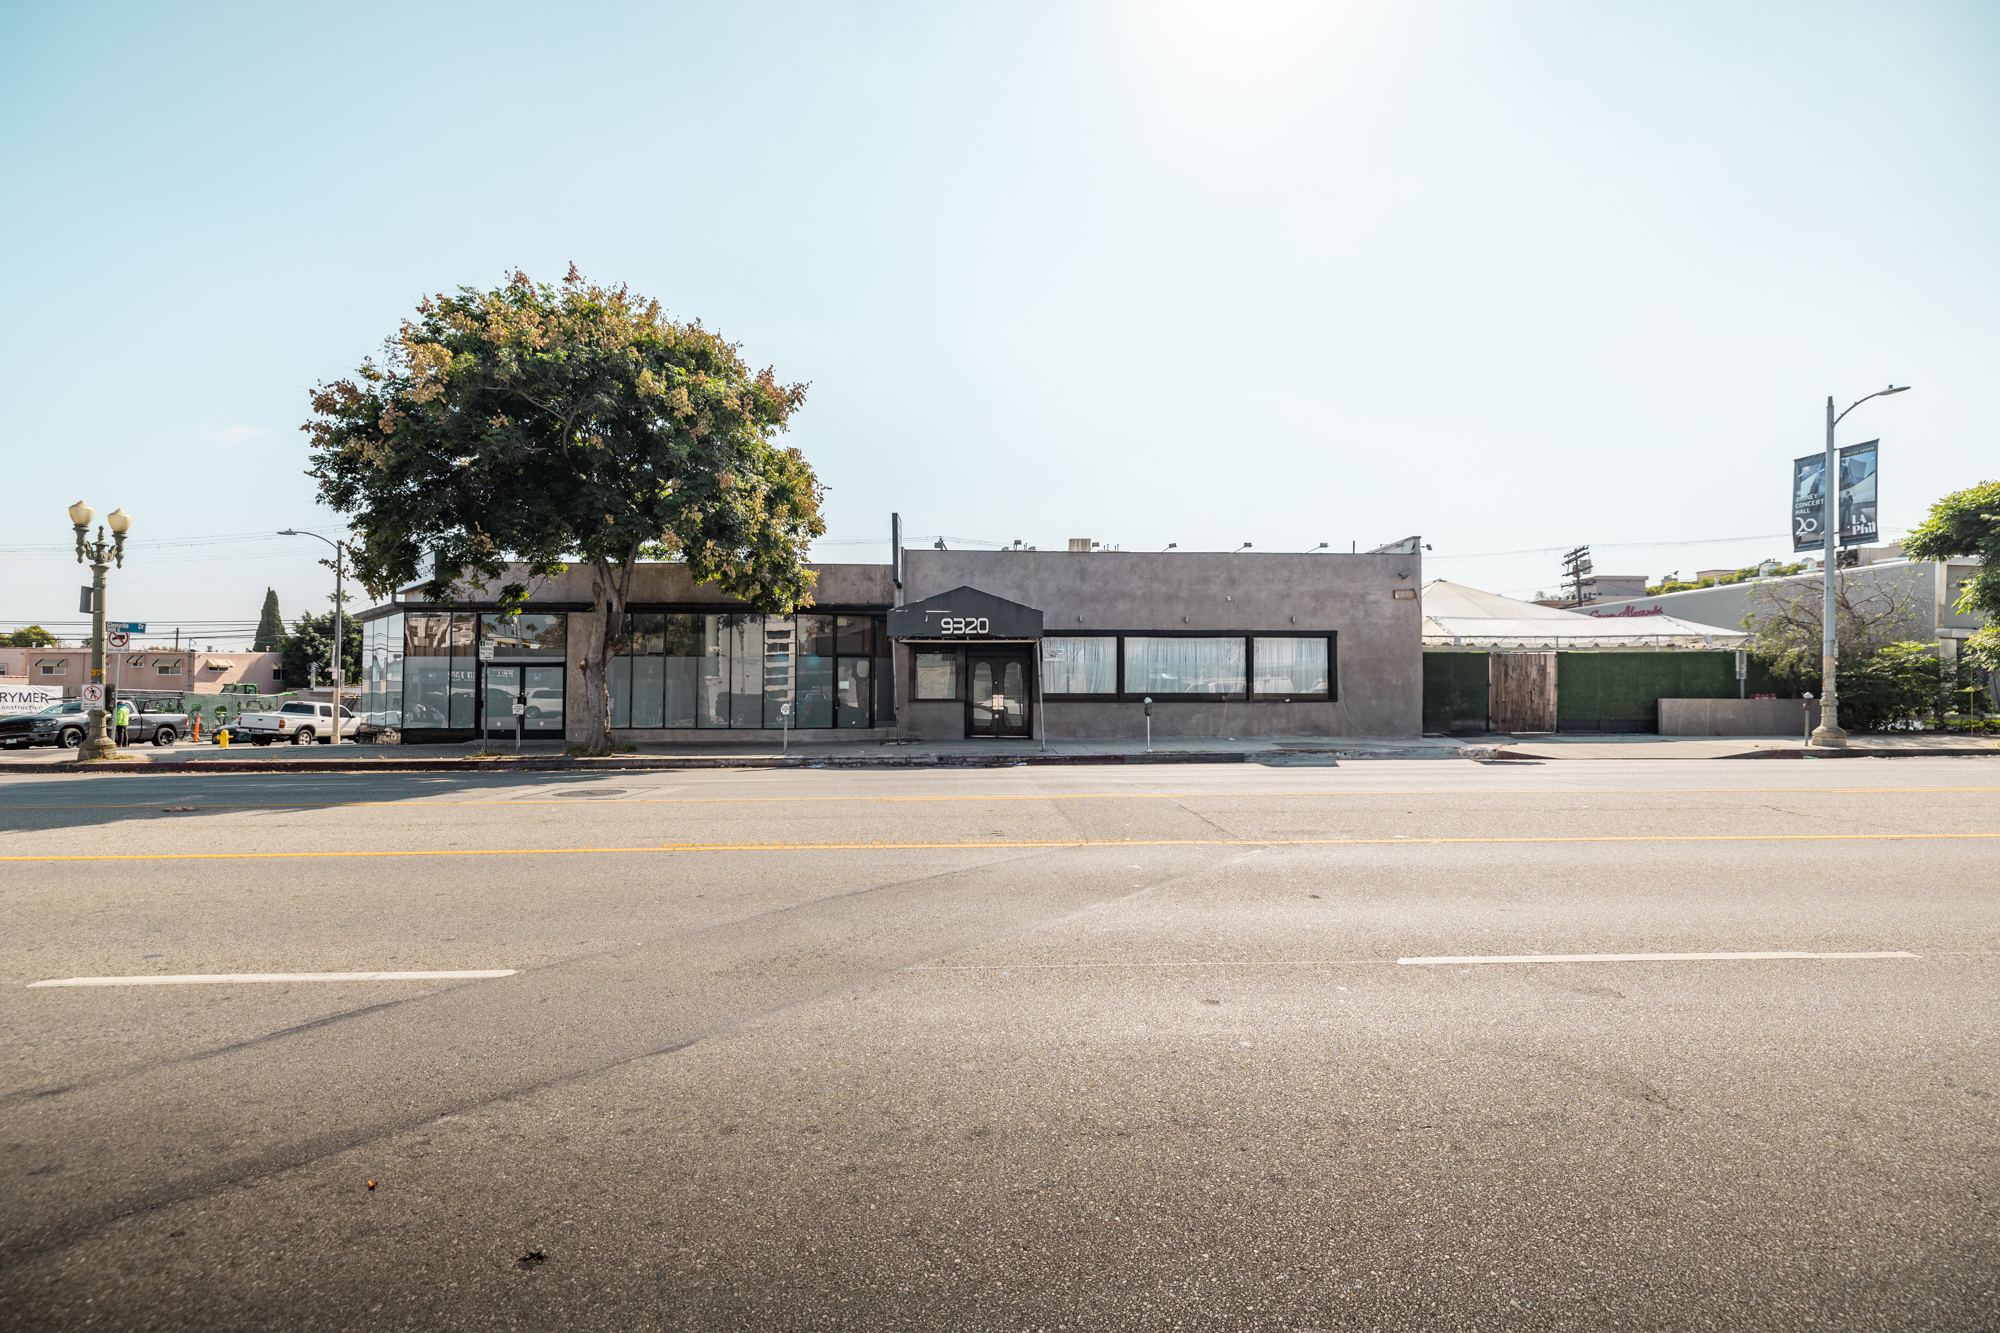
{"x":218,"y":978}
{"x":1643,"y":957}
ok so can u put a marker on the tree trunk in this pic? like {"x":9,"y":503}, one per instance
{"x":609,"y":587}
{"x":596,"y":673}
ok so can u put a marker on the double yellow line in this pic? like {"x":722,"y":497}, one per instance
{"x":1024,"y":845}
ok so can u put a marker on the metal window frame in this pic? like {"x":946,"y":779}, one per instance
{"x":1249,"y":693}
{"x":879,"y":636}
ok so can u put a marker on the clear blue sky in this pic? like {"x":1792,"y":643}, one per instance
{"x":1510,"y":276}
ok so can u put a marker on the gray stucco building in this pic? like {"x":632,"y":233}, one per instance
{"x":942,"y":645}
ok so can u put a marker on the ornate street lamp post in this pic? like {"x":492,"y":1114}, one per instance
{"x":101,"y":555}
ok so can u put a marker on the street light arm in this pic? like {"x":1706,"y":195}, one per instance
{"x":1859,"y":401}
{"x":294,"y":532}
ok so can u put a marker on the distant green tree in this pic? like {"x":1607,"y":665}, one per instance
{"x":34,"y":636}
{"x":311,"y":640}
{"x":1968,"y":523}
{"x":270,"y":626}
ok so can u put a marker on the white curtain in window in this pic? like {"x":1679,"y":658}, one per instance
{"x":1080,"y":666}
{"x":1291,"y":666}
{"x":1184,"y":666}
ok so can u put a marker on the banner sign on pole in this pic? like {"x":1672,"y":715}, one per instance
{"x":1857,"y":494}
{"x":1857,"y":498}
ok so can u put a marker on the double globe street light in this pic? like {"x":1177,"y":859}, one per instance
{"x":102,"y":555}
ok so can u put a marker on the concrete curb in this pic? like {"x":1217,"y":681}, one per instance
{"x":629,"y":764}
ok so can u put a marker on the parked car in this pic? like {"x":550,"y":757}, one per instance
{"x":299,"y":722}
{"x":66,"y":724}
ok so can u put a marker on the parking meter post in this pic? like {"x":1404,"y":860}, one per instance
{"x":520,"y":712}
{"x":1809,"y":704}
{"x":1149,"y":724}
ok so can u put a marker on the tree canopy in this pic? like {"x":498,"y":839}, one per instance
{"x":311,"y":640}
{"x":270,"y":626}
{"x":34,"y":636}
{"x":545,"y":424}
{"x":1968,"y":523}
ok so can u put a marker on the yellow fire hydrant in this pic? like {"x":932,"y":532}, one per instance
{"x":222,"y":738}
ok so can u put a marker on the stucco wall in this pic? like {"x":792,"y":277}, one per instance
{"x":838,"y":585}
{"x":1380,"y":656}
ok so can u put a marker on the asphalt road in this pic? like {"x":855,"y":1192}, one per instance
{"x":1079,"y":1049}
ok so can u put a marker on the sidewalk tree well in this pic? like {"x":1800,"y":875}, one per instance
{"x":567,"y":423}
{"x":1968,"y":523}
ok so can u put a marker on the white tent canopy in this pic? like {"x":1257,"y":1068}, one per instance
{"x":1456,"y":616}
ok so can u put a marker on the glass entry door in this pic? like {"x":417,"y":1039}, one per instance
{"x":996,"y":697}
{"x":543,"y":686}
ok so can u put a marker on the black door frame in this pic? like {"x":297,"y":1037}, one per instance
{"x":1000,"y":654}
{"x":481,"y":731}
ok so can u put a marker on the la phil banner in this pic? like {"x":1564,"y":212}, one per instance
{"x":1857,"y":498}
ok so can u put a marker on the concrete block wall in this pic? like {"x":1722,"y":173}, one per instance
{"x":1380,"y":648}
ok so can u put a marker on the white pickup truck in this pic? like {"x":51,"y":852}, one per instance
{"x":300,"y":722}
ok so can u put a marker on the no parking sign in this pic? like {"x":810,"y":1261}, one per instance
{"x":117,"y":638}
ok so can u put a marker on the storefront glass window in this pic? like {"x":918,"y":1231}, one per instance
{"x":738,"y":670}
{"x":815,"y":688}
{"x":778,"y":669}
{"x":426,"y":670}
{"x":1291,"y":667}
{"x":464,"y":671}
{"x":937,"y":675}
{"x":1184,"y":666}
{"x":682,"y":648}
{"x":1080,"y":665}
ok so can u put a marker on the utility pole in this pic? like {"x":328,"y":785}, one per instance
{"x":1576,"y":564}
{"x":339,"y":607}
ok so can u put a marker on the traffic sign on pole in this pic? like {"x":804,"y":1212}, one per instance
{"x":117,"y":638}
{"x":93,"y":696}
{"x":134,"y":627}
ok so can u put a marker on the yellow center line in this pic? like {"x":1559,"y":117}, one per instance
{"x":1028,"y":845}
{"x":1051,"y":796}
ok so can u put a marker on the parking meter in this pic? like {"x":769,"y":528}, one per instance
{"x":1149,"y":724}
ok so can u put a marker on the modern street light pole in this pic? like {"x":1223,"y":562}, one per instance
{"x":339,"y":609}
{"x":101,"y":555}
{"x":1828,"y":732}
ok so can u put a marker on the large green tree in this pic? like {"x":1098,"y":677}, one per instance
{"x":549,"y":424}
{"x":270,"y":626}
{"x":34,"y":636}
{"x":311,"y":641}
{"x":1968,"y":523}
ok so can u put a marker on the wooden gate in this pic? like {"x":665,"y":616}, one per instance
{"x":1521,"y":692}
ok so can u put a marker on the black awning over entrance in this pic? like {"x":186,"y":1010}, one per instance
{"x":965,"y":613}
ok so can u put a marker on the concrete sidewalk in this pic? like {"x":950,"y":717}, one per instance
{"x":1276,"y":752}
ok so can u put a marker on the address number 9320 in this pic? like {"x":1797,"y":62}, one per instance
{"x":963,"y":625}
